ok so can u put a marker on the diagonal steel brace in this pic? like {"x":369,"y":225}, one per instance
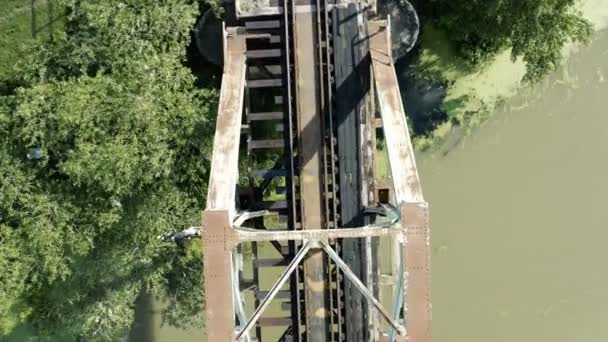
{"x":361,"y":287}
{"x":275,"y":288}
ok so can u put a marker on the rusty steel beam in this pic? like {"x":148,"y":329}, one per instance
{"x":275,"y":289}
{"x":415,"y":249}
{"x":416,"y":258}
{"x":404,"y":173}
{"x":217,"y":258}
{"x":224,"y":162}
{"x":219,"y":214}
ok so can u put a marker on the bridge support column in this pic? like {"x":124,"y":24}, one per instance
{"x":217,"y":258}
{"x":416,"y":258}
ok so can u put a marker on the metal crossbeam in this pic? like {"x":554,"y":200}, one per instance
{"x":390,"y":227}
{"x":246,"y":234}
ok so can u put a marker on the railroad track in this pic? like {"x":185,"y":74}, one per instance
{"x":270,"y":107}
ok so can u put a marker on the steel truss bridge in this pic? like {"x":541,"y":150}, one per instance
{"x":308,"y":90}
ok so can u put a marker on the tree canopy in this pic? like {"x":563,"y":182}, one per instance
{"x":535,"y":30}
{"x":104,"y":145}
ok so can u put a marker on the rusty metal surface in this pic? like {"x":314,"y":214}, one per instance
{"x":218,"y":236}
{"x":417,"y":269}
{"x":406,"y":186}
{"x":401,"y":154}
{"x":217,"y":258}
{"x":224,"y":163}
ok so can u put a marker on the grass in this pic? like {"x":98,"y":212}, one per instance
{"x":21,"y":22}
{"x":381,"y":160}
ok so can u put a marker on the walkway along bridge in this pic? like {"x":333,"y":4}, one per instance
{"x":308,"y":88}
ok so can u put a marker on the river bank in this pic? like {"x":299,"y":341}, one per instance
{"x":445,"y":97}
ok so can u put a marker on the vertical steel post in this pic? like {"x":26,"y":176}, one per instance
{"x":218,"y":273}
{"x":416,"y":258}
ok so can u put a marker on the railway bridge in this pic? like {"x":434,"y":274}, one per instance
{"x":303,"y":240}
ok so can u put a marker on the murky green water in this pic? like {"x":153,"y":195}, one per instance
{"x":520,"y":217}
{"x":148,"y":326}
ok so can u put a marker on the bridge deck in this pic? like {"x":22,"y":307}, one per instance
{"x":308,"y":83}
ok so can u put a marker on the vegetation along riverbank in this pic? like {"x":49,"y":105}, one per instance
{"x":474,"y":54}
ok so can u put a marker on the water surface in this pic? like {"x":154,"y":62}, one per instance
{"x":520,"y":217}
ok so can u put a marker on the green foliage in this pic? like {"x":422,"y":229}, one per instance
{"x":103,"y":146}
{"x":535,"y":30}
{"x":214,"y":5}
{"x":22,"y":21}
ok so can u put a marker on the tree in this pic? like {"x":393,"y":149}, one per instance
{"x":104,"y":146}
{"x":535,"y":30}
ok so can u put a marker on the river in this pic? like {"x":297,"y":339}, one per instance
{"x":519,"y":223}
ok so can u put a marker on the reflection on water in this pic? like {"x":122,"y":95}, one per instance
{"x":148,"y":326}
{"x":143,"y":327}
{"x":519,"y":221}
